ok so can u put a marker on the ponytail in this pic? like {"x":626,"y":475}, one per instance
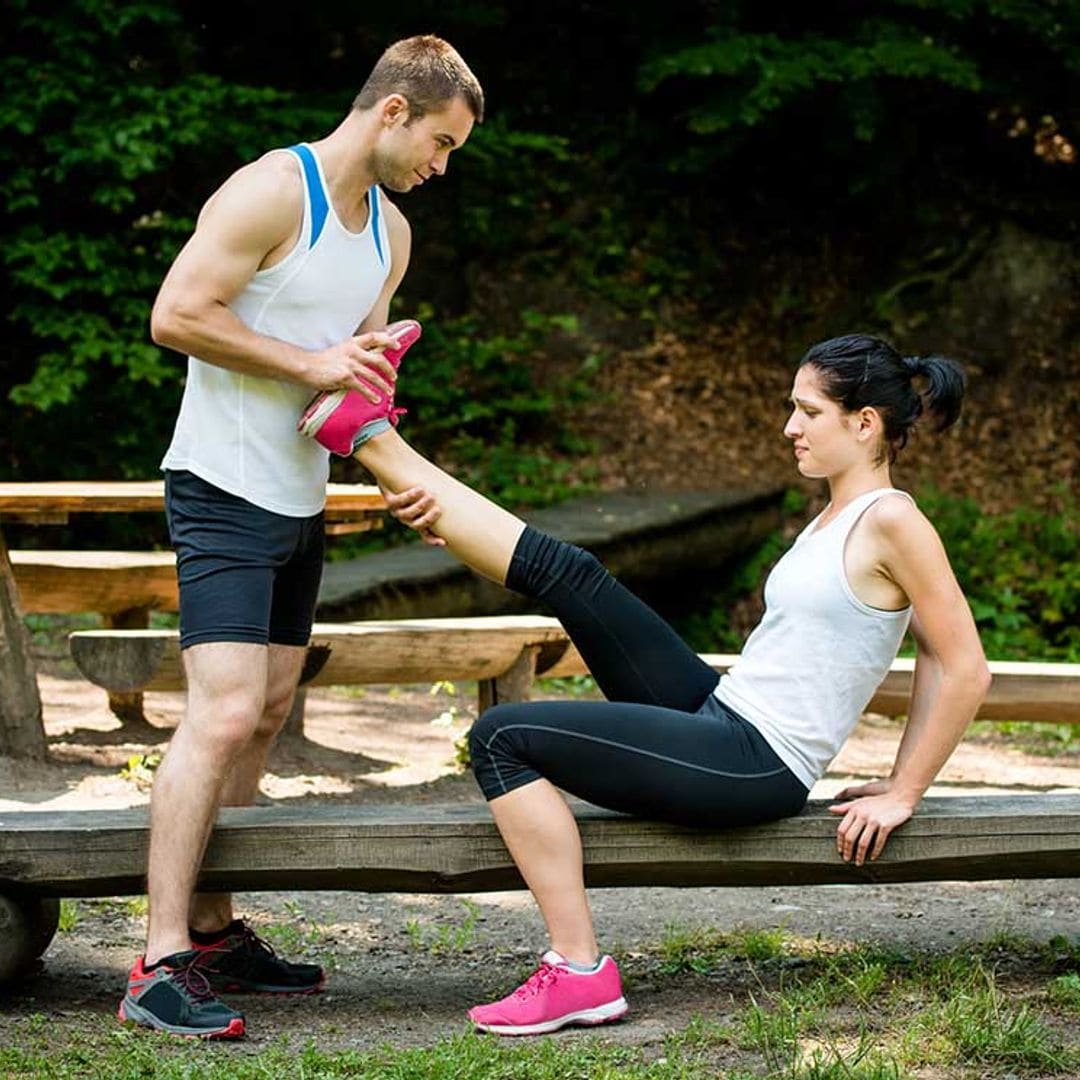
{"x":944,"y":393}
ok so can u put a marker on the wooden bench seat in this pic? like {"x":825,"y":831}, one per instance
{"x":506,"y":652}
{"x":447,"y":849}
{"x":107,"y":582}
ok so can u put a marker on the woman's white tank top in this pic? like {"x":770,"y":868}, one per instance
{"x":238,"y":432}
{"x":814,"y":661}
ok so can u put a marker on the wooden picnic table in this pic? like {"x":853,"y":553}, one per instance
{"x":349,"y":508}
{"x":50,"y":502}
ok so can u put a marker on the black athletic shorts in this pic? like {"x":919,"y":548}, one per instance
{"x":245,"y":574}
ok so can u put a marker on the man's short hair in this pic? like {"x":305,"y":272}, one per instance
{"x":427,"y":72}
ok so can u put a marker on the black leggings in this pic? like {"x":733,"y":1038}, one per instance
{"x":662,"y":746}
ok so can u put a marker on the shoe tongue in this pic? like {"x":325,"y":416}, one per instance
{"x":553,"y":958}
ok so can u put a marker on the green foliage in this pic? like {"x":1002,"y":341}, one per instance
{"x":1020,"y":572}
{"x":445,"y":937}
{"x":768,"y":72}
{"x":486,"y":405}
{"x":859,"y":66}
{"x":529,"y":206}
{"x":140,"y":770}
{"x":101,"y":107}
{"x":985,"y":1025}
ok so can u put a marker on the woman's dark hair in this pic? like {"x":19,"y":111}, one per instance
{"x":859,"y":371}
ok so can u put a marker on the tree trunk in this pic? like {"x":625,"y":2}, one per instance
{"x":22,"y":734}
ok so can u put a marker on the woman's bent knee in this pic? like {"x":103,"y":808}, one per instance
{"x":496,"y":758}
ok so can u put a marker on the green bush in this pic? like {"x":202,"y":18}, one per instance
{"x":496,"y":418}
{"x":1020,"y":572}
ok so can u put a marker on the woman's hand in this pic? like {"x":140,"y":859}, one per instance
{"x":871,"y":812}
{"x":418,"y":509}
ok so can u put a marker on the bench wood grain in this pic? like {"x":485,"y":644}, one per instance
{"x":456,"y":848}
{"x":108,"y":582}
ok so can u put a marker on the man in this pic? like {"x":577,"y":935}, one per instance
{"x":282,"y":291}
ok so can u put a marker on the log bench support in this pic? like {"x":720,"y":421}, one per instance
{"x":456,"y":848}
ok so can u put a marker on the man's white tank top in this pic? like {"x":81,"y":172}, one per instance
{"x":809,"y":668}
{"x":238,"y":432}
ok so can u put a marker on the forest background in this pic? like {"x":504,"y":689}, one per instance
{"x":666,"y":205}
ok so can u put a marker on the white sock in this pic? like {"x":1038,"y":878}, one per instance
{"x":585,"y":969}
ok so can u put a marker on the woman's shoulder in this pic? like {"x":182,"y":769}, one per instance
{"x":899,"y":523}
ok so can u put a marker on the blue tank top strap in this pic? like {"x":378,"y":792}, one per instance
{"x":317,"y":201}
{"x":376,"y":220}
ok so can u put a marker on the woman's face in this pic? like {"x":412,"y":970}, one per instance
{"x":826,"y":438}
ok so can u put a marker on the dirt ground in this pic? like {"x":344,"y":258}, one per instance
{"x":403,"y":968}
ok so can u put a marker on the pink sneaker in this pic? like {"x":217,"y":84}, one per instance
{"x":552,"y":997}
{"x":339,"y":419}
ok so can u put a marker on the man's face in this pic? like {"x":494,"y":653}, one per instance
{"x":410,"y":153}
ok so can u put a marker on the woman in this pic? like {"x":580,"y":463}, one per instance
{"x":675,"y":743}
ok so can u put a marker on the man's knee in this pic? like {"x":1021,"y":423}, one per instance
{"x":275,"y":713}
{"x":223,"y":724}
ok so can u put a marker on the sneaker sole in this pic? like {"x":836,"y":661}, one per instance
{"x":130,"y":1011}
{"x":602,"y":1014}
{"x":318,"y":413}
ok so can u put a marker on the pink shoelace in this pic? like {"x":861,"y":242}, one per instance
{"x":543,"y":976}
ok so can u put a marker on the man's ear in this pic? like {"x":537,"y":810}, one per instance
{"x":395,"y":110}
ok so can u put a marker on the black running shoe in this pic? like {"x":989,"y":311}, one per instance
{"x":240,"y":961}
{"x":175,"y":996}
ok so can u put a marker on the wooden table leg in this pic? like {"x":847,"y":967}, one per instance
{"x":22,"y":732}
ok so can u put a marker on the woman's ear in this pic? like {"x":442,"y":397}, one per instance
{"x":869,"y":424}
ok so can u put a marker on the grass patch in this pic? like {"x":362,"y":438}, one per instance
{"x":299,"y":935}
{"x":701,"y":949}
{"x":445,"y":937}
{"x":1065,"y":990}
{"x":984,"y":1026}
{"x":825,"y":1011}
{"x":127,"y":1054}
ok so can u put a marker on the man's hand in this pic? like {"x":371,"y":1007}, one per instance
{"x":356,"y":363}
{"x":871,"y":812}
{"x":418,"y":509}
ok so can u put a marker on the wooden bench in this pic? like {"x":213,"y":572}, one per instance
{"x":447,"y":849}
{"x":504,"y":654}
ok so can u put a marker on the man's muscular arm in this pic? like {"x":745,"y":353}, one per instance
{"x":253,"y":217}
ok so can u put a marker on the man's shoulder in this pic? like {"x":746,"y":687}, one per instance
{"x":396,"y":222}
{"x":275,"y":167}
{"x":271,"y":182}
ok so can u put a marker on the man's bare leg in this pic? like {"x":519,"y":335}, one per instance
{"x":478,"y":532}
{"x":226,"y":693}
{"x":213,"y":911}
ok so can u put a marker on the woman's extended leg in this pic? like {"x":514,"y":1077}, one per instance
{"x":479,"y":533}
{"x":632,"y":653}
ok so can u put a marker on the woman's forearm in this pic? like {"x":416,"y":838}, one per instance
{"x":943,"y":702}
